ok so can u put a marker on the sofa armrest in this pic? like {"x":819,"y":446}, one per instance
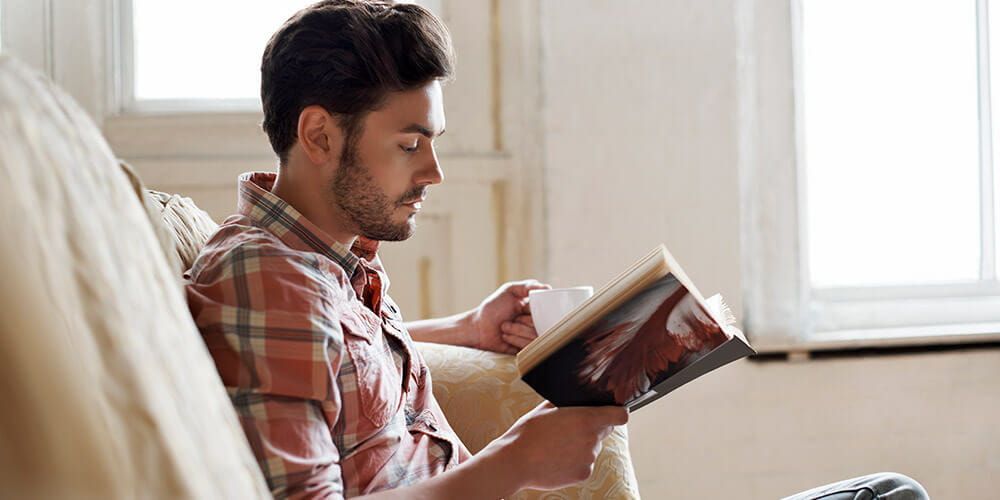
{"x":482,"y":396}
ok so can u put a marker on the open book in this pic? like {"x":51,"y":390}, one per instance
{"x":643,"y":335}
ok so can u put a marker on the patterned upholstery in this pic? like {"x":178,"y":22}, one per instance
{"x":482,"y":396}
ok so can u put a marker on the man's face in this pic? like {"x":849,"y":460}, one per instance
{"x":382,"y":179}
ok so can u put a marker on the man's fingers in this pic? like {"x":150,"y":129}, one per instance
{"x":521,"y":289}
{"x":519,"y":329}
{"x":606,"y":416}
{"x":604,"y":433}
{"x":545,"y":406}
{"x":518,"y":342}
{"x":614,"y":415}
{"x":509,"y":349}
{"x":526,"y":320}
{"x":525,"y":306}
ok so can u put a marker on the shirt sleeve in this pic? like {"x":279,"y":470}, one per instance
{"x":268,"y":324}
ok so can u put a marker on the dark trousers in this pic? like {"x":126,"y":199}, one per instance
{"x":882,"y":486}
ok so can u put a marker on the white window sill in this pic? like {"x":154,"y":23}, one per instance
{"x":909,"y":336}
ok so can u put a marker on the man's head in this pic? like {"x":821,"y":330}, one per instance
{"x":351,"y":91}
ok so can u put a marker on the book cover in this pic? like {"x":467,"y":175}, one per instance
{"x":660,"y":337}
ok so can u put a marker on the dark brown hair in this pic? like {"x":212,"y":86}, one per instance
{"x":346,"y":56}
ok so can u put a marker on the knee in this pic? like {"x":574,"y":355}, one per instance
{"x":895,"y":485}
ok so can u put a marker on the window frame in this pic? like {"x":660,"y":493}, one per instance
{"x":126,"y":102}
{"x":782,"y":311}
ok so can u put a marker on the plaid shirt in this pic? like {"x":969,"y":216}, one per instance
{"x":333,"y":396}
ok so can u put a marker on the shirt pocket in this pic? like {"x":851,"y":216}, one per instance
{"x":377,"y":380}
{"x":418,"y":376}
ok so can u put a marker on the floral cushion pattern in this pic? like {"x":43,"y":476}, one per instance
{"x":482,"y":396}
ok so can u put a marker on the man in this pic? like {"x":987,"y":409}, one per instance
{"x":292,"y":300}
{"x":290,"y":295}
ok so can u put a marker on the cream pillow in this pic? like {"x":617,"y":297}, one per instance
{"x":182,"y":227}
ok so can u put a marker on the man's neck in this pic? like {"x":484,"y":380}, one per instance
{"x":306,"y":196}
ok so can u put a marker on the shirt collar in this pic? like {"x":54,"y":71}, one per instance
{"x":259,"y":204}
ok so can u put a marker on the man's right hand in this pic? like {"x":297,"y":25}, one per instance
{"x":546,"y":449}
{"x":549,"y":447}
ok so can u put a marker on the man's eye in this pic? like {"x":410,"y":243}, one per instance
{"x":410,"y":149}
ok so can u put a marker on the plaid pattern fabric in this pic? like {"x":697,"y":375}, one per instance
{"x":333,"y":397}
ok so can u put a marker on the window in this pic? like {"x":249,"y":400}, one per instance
{"x":192,"y":55}
{"x":892,"y":150}
{"x":887,"y":230}
{"x":195,"y":54}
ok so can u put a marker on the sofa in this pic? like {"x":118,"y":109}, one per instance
{"x":107,"y":389}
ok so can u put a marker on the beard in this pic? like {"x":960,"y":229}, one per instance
{"x":357,"y":194}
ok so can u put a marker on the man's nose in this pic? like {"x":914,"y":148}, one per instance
{"x":432,"y":173}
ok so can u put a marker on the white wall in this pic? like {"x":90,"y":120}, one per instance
{"x":642,"y":143}
{"x":640,"y":126}
{"x":763,"y":430}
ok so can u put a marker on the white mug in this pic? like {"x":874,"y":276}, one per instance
{"x":549,"y":306}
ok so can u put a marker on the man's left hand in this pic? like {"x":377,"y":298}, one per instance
{"x":502,"y":323}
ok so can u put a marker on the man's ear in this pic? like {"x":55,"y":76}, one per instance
{"x":320,"y":137}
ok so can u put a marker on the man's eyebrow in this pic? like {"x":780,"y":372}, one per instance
{"x":422,"y":130}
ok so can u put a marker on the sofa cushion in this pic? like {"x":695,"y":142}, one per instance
{"x":108,"y":390}
{"x":154,"y":212}
{"x":483,"y":396}
{"x":189,"y":227}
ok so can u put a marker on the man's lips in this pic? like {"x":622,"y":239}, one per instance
{"x":415,"y":204}
{"x":415,"y":201}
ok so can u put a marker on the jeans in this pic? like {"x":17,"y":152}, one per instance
{"x":883,"y":486}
